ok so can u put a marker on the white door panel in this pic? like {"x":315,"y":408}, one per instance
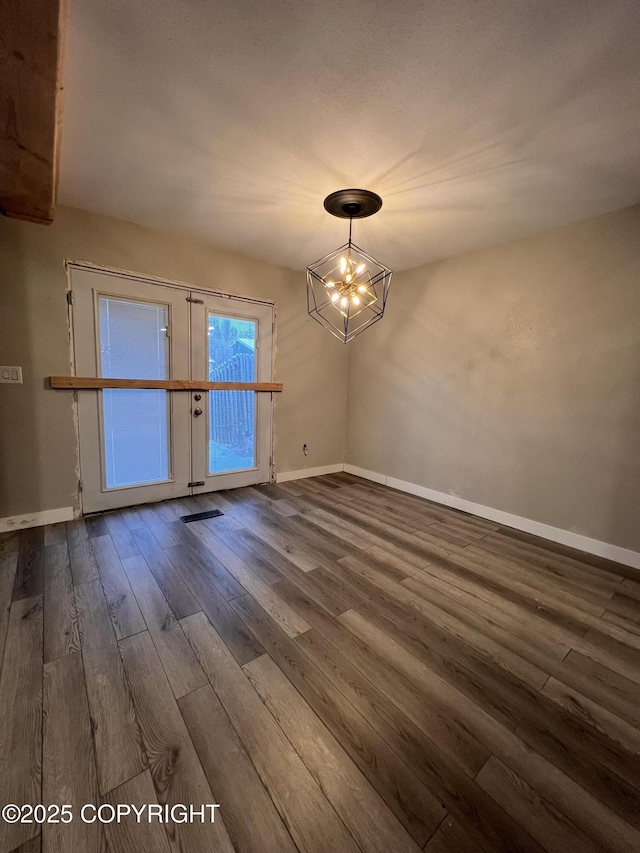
{"x":131,"y":442}
{"x":231,"y":342}
{"x":140,"y":446}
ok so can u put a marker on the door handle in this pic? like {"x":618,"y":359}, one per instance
{"x":197,"y":412}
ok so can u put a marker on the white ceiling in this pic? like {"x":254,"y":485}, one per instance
{"x":230,"y":120}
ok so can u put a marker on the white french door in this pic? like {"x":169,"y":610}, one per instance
{"x":142,"y":445}
{"x":231,"y":341}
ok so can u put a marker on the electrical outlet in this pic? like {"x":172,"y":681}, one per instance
{"x":11,"y":375}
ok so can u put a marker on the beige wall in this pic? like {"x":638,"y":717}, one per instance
{"x":37,"y":436}
{"x":511,"y":377}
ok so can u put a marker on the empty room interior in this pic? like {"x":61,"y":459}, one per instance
{"x":320,"y":464}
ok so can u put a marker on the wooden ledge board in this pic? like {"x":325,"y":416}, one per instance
{"x":93,"y":383}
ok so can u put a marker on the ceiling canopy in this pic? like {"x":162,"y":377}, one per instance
{"x":477,"y":122}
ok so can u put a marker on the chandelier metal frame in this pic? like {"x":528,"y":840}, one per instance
{"x":347,"y":289}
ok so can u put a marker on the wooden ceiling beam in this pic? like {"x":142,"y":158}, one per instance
{"x":32,"y":42}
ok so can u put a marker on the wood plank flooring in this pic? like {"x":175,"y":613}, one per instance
{"x":342,"y":667}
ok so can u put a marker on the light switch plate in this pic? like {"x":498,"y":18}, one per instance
{"x":10,"y":375}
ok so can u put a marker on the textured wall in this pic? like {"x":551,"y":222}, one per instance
{"x":37,"y":434}
{"x":511,"y":377}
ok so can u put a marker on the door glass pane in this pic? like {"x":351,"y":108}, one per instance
{"x":232,"y":414}
{"x":134,"y":344}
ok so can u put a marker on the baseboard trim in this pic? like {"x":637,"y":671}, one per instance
{"x":366,"y":475}
{"x":545,"y":531}
{"x":309,"y":472}
{"x":36,"y":519}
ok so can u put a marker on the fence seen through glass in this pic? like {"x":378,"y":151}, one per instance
{"x":232,"y":414}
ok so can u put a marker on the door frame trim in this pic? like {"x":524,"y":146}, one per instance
{"x":154,"y":279}
{"x":70,"y":265}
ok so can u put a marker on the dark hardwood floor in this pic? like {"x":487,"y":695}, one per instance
{"x":340,"y":666}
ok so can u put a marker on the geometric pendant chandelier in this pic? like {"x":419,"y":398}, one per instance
{"x":347,"y":289}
